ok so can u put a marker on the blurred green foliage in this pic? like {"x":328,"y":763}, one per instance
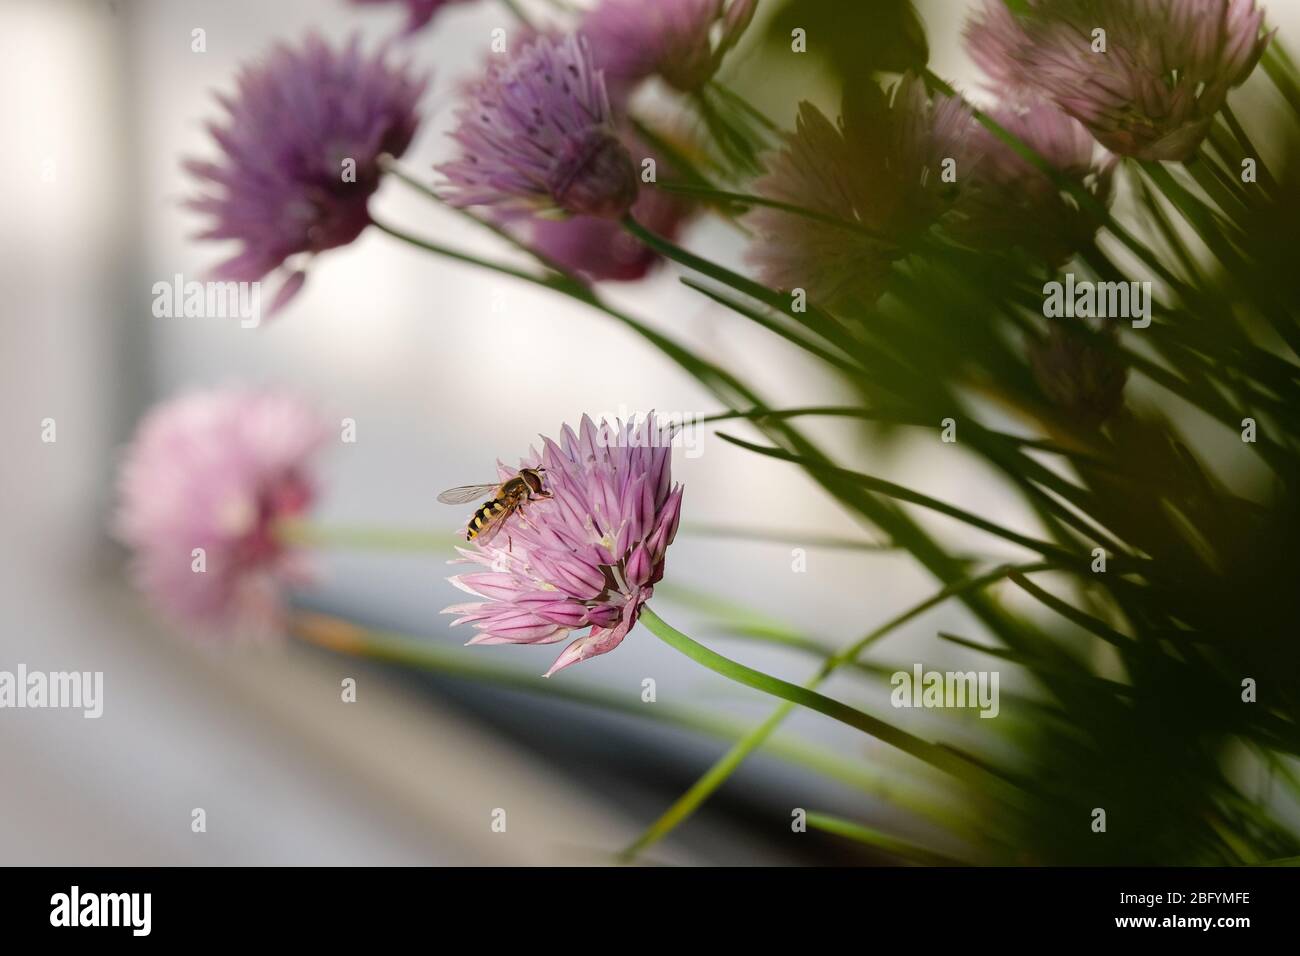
{"x":856,"y":39}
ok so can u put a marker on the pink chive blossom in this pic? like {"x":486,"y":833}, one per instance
{"x":682,"y":41}
{"x":586,"y":557}
{"x":418,"y":12}
{"x":1166,"y":68}
{"x":866,"y":187}
{"x":299,"y":153}
{"x":1084,"y":377}
{"x":538,"y":134}
{"x":217,"y":470}
{"x":600,"y":249}
{"x":1012,"y":203}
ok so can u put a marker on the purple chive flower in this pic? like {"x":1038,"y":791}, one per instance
{"x":1012,"y":203}
{"x":600,"y":249}
{"x":538,"y":133}
{"x":418,"y":12}
{"x":1166,"y":70}
{"x":881,"y":175}
{"x":217,"y":470}
{"x":1081,"y":377}
{"x":682,"y":41}
{"x":284,"y":184}
{"x":587,"y":556}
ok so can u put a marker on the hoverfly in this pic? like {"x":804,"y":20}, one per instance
{"x":505,"y":498}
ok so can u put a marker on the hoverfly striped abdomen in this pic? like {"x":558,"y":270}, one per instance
{"x":483,"y":517}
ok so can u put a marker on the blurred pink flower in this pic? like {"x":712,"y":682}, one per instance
{"x":588,"y":556}
{"x":1166,"y":68}
{"x":216,"y":470}
{"x":872,"y":183}
{"x":538,"y":133}
{"x":1081,"y":376}
{"x":281,"y":185}
{"x":683,"y":41}
{"x":1012,"y":203}
{"x":418,"y":12}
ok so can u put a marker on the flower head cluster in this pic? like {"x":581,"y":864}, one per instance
{"x":682,"y":41}
{"x":597,"y":249}
{"x":202,"y":488}
{"x":1011,"y":202}
{"x":600,"y":249}
{"x":1079,"y":374}
{"x":892,"y":167}
{"x":300,"y":149}
{"x":418,"y":12}
{"x":538,"y":133}
{"x":1144,"y":76}
{"x":588,"y":555}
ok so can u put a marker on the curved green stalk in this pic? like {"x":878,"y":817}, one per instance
{"x":345,"y":637}
{"x":817,"y":319}
{"x":691,"y":800}
{"x":1074,"y":615}
{"x":838,"y":359}
{"x":779,"y":536}
{"x":1045,"y":548}
{"x":1204,"y":220}
{"x":751,"y":199}
{"x":889,"y":418}
{"x":393,"y":168}
{"x":450,"y":253}
{"x":1281,"y":70}
{"x":937,"y":756}
{"x":880,"y":841}
{"x":1229,"y":200}
{"x":745,"y":106}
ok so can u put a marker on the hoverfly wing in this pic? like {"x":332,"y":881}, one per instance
{"x":466,"y":493}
